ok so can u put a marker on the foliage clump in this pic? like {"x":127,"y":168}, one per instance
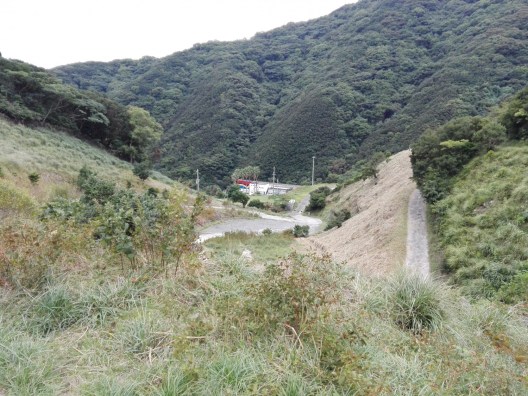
{"x":295,"y":292}
{"x":337,"y":218}
{"x":235,"y":195}
{"x":318,"y":199}
{"x":301,"y":231}
{"x":34,"y":178}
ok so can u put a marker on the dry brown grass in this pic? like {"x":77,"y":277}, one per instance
{"x":374,"y":239}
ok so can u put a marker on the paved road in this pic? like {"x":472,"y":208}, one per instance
{"x":274,"y":223}
{"x":417,"y":246}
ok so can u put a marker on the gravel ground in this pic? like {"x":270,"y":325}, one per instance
{"x":274,"y":223}
{"x":417,"y":247}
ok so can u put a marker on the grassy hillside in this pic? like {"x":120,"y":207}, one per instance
{"x":57,"y":157}
{"x":33,"y":96}
{"x":484,"y":225}
{"x":477,"y":189}
{"x":371,"y":76}
{"x":104,"y":292}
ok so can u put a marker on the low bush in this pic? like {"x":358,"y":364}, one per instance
{"x":300,"y":231}
{"x":295,"y":292}
{"x":318,"y":199}
{"x":337,"y":218}
{"x":256,"y":203}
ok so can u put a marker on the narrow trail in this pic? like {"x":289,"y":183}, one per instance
{"x":417,"y":246}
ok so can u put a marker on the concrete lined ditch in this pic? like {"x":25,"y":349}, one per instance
{"x":417,"y":246}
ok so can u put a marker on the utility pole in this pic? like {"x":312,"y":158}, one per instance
{"x":273,"y":182}
{"x":313,"y":169}
{"x":198,"y":180}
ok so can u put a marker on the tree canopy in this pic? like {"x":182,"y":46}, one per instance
{"x":371,"y":76}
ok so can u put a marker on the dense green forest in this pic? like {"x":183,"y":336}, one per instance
{"x":372,"y":75}
{"x":34,"y":96}
{"x":473,"y":173}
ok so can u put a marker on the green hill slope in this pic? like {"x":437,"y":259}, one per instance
{"x":479,"y":198}
{"x":33,"y":96}
{"x":484,"y":225}
{"x":103,"y":276}
{"x":370,"y":76}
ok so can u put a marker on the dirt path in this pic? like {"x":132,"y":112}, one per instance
{"x":417,"y":248}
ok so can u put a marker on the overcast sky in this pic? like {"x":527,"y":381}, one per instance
{"x":49,"y":33}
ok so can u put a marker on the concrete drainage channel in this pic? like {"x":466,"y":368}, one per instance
{"x":417,"y":245}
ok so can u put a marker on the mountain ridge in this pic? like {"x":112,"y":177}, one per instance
{"x":387,"y":70}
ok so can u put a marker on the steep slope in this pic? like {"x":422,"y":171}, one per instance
{"x":373,"y":240}
{"x":370,"y":76}
{"x":106,"y":297}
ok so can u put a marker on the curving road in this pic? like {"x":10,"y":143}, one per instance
{"x":273,"y":222}
{"x":417,"y":245}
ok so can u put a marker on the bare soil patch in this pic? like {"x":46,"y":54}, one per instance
{"x":374,"y":239}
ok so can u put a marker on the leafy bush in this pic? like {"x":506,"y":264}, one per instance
{"x":34,"y":178}
{"x":157,"y":228}
{"x":300,"y":231}
{"x":295,"y":291}
{"x":142,"y":170}
{"x":95,"y":189}
{"x":318,"y":199}
{"x":235,"y":195}
{"x":337,"y":218}
{"x":256,"y":203}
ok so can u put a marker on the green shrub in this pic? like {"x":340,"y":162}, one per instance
{"x":300,"y":231}
{"x":256,"y":203}
{"x":295,"y":291}
{"x":337,"y":218}
{"x":34,"y":178}
{"x":235,"y":195}
{"x":142,"y":170}
{"x":318,"y":199}
{"x":93,"y":187}
{"x":267,"y":231}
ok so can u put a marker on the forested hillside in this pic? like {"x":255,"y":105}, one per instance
{"x":370,"y":76}
{"x":35,"y":97}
